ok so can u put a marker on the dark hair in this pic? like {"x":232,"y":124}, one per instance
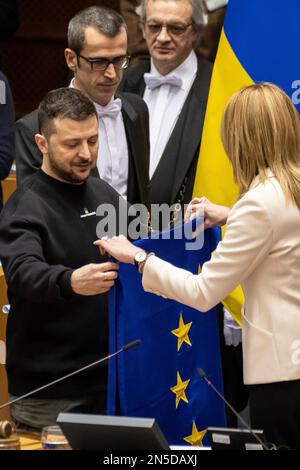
{"x":63,"y":103}
{"x":104,"y":20}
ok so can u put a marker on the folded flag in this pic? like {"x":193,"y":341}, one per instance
{"x":159,"y":379}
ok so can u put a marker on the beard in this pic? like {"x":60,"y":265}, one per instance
{"x":68,"y":175}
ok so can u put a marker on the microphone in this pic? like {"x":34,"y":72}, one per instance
{"x":203,"y":376}
{"x":132,"y":344}
{"x":124,"y":348}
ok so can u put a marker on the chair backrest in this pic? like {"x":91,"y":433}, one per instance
{"x":8,"y":187}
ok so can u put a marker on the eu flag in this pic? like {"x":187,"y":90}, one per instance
{"x":159,"y":379}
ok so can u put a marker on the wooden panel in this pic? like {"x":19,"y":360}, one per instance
{"x":34,"y":67}
{"x":33,"y":60}
{"x":44,"y":19}
{"x":8,"y":187}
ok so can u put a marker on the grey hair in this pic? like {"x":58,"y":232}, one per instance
{"x":104,"y":20}
{"x":199,"y":18}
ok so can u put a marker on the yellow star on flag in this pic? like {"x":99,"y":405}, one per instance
{"x":179,"y":390}
{"x":195,"y":439}
{"x":182,"y":333}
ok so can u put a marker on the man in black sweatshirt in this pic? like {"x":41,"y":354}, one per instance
{"x":56,"y":277}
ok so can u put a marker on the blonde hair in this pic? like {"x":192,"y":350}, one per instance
{"x":261,"y":129}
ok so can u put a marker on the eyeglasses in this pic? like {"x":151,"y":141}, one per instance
{"x":101,"y":63}
{"x":173,"y":29}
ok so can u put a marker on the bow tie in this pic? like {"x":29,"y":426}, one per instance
{"x":112,"y":109}
{"x":154,"y":81}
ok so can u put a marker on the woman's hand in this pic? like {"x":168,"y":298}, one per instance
{"x":214,"y":214}
{"x":118,"y":247}
{"x":194,"y":209}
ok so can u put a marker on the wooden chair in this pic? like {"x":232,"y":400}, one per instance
{"x":8,"y":186}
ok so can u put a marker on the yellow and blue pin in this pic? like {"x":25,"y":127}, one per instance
{"x":87,"y":213}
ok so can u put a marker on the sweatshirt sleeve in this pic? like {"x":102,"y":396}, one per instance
{"x":27,"y":274}
{"x":246,"y":243}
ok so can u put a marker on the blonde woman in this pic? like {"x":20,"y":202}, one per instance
{"x":261,"y":250}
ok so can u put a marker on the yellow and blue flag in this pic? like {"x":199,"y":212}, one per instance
{"x":159,"y":379}
{"x":260,"y":41}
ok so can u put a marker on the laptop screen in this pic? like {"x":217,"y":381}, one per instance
{"x":236,"y":439}
{"x":96,"y":432}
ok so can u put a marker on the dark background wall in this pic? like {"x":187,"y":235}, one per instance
{"x":33,"y":59}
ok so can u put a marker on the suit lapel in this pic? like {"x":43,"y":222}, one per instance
{"x":128,"y":111}
{"x":191,"y":135}
{"x":186,"y":136}
{"x":136,"y":169}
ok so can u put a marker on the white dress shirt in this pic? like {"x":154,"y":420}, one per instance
{"x":113,"y":160}
{"x":165,"y":104}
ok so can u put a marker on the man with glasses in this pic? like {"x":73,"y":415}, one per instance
{"x":97,"y":55}
{"x":175,"y":87}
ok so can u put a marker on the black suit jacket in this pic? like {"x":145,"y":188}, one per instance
{"x":173,"y":179}
{"x":136,"y":123}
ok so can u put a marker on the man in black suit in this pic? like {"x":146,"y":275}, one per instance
{"x":175,"y":91}
{"x":97,"y":55}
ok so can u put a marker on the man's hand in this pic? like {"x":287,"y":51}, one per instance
{"x":94,"y":279}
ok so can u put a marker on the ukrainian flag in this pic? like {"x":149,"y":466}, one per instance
{"x":260,"y":41}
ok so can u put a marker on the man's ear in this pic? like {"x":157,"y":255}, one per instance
{"x":42,"y":143}
{"x":142,"y":26}
{"x":71,"y":59}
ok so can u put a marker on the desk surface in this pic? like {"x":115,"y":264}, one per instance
{"x":30,"y":441}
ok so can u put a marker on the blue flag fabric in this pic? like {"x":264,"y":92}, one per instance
{"x":264,"y":36}
{"x":144,"y":376}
